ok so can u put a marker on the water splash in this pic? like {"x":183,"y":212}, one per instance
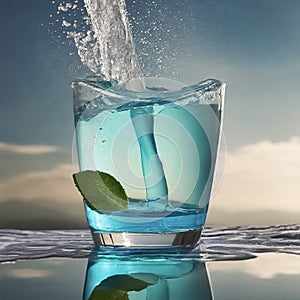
{"x":107,"y":48}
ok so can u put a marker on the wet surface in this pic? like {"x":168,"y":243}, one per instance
{"x":226,"y":243}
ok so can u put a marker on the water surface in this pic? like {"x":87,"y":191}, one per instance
{"x":270,"y":277}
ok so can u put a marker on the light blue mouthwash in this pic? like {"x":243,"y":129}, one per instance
{"x":161,"y":150}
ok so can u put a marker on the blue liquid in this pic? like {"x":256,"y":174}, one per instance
{"x":162,"y":152}
{"x":148,"y":218}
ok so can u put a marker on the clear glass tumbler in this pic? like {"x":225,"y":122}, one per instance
{"x":151,"y":157}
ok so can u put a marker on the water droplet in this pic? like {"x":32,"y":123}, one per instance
{"x":66,"y":24}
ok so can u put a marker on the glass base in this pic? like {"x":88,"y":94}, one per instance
{"x":148,"y":240}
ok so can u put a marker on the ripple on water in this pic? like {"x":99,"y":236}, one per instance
{"x":221,"y":243}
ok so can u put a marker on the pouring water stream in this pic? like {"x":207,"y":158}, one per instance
{"x":117,"y":60}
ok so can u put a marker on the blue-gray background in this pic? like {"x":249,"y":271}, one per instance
{"x":252,"y":45}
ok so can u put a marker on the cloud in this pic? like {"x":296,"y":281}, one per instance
{"x":265,"y":266}
{"x":28,"y":149}
{"x":28,"y":273}
{"x":261,"y":177}
{"x":41,"y":199}
{"x":53,"y":185}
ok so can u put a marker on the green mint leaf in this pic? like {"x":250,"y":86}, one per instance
{"x":116,"y":287}
{"x":99,"y":294}
{"x":103,"y":294}
{"x":124,"y":283}
{"x":100,"y":190}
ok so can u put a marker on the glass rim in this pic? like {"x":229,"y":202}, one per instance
{"x":162,"y":88}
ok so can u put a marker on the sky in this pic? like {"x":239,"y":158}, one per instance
{"x":252,"y":45}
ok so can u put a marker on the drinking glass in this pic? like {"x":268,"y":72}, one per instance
{"x":153,"y":153}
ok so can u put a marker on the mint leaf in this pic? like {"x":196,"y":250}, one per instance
{"x":116,"y":287}
{"x":99,"y":294}
{"x":100,"y":190}
{"x":124,"y":283}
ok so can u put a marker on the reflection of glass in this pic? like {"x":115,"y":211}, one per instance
{"x":161,"y":146}
{"x":124,"y":276}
